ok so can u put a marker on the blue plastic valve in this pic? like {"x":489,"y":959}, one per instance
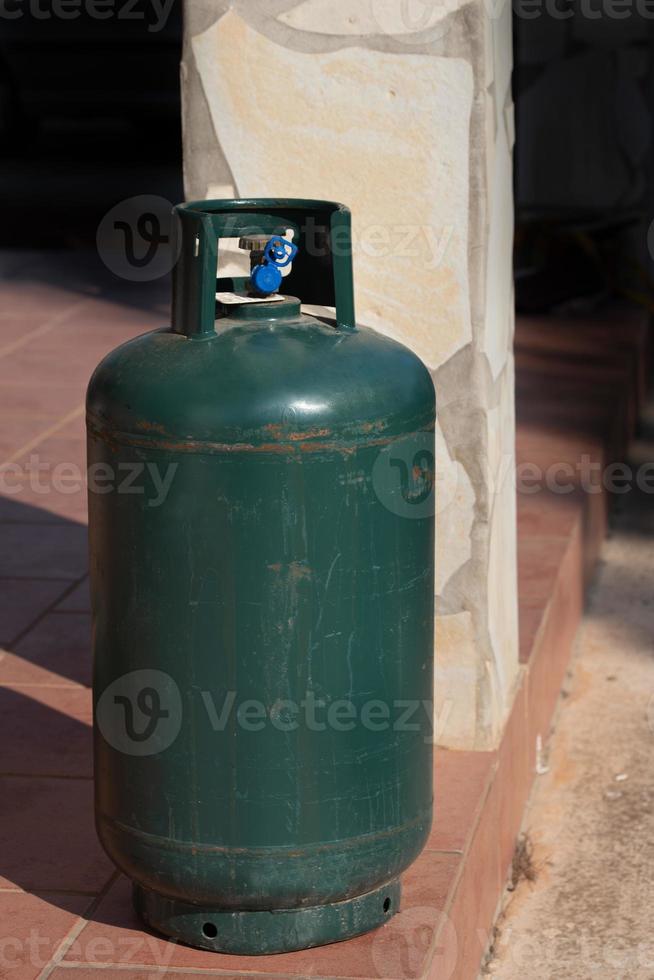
{"x":266,"y":278}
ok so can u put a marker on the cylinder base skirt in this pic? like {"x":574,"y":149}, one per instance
{"x":259,"y":932}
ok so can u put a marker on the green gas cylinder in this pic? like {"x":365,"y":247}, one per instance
{"x":262,"y":560}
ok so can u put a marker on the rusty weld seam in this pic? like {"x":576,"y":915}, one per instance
{"x":194,"y":446}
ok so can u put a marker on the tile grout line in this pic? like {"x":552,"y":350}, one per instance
{"x":30,"y":578}
{"x":198,"y":971}
{"x":56,"y":521}
{"x":76,"y":929}
{"x":39,"y":578}
{"x":17,"y":890}
{"x":32,"y":443}
{"x":458,"y":876}
{"x":44,"y":328}
{"x":73,"y":584}
{"x":29,"y":685}
{"x":47,"y":775}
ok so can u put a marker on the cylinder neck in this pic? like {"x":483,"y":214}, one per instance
{"x":285,"y":309}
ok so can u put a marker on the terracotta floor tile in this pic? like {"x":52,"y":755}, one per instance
{"x":627,"y":344}
{"x":587,"y":350}
{"x":50,"y":479}
{"x":460,"y":784}
{"x":50,"y":508}
{"x":551,"y":447}
{"x":24,"y":600}
{"x":46,"y":731}
{"x":56,"y":651}
{"x":514,"y":775}
{"x":31,"y":400}
{"x":530,"y":618}
{"x":47,"y":836}
{"x":477,"y":894}
{"x":31,"y":929}
{"x":15,"y":433}
{"x":58,"y":448}
{"x":24,"y":295}
{"x":594,"y":530}
{"x":602,"y":333}
{"x":34,"y":363}
{"x":146,"y":973}
{"x":17,"y":331}
{"x":610,"y":376}
{"x":549,"y":514}
{"x":43,"y":551}
{"x":613,"y":376}
{"x":539,"y":560}
{"x":565,"y":408}
{"x":552,"y":653}
{"x":75,"y":429}
{"x":99,"y":330}
{"x":78,"y":600}
{"x":396,"y":950}
{"x":114,"y":306}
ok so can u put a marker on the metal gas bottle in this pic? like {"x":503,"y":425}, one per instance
{"x":262,"y":564}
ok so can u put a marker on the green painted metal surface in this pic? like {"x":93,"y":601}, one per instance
{"x":262,"y":540}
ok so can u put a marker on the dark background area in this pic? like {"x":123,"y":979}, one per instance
{"x":89,"y":116}
{"x":583,"y":91}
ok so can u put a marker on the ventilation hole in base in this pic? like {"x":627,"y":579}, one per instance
{"x":387,"y":905}
{"x":209,"y":930}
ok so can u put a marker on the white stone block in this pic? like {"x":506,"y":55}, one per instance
{"x":412,"y":21}
{"x":386,"y":134}
{"x":455,"y":513}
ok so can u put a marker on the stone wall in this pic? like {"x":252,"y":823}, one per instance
{"x":402,"y":110}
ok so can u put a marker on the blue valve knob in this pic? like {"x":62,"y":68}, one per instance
{"x":266,"y":277}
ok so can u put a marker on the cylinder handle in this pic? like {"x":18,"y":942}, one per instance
{"x":321,"y":253}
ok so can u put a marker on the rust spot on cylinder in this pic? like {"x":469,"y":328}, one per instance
{"x":147,"y":426}
{"x":309,"y":434}
{"x":296,"y":569}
